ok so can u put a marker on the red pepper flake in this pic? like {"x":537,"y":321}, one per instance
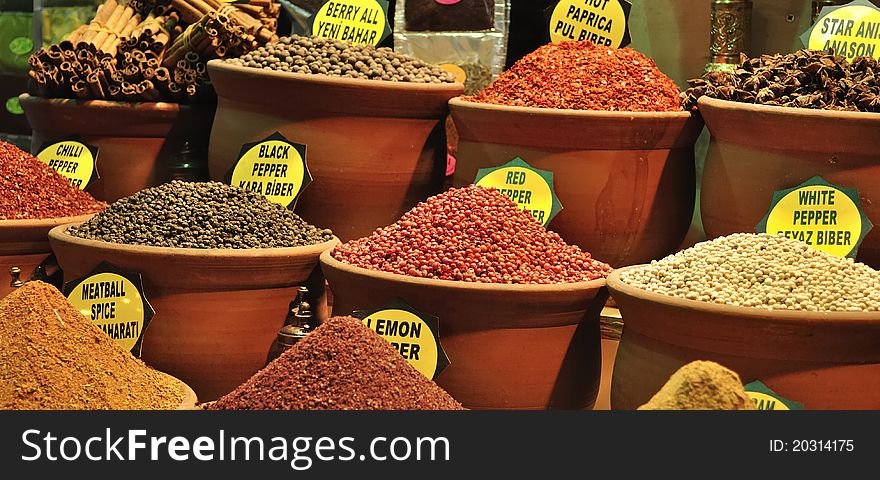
{"x":584,"y":76}
{"x":472,"y":234}
{"x":29,"y":189}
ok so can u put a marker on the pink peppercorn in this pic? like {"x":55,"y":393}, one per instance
{"x":472,"y":234}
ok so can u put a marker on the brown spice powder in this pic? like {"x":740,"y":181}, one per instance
{"x":701,"y":385}
{"x":342,"y":365}
{"x":53,"y":358}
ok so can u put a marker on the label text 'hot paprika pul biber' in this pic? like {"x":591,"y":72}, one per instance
{"x":584,"y":76}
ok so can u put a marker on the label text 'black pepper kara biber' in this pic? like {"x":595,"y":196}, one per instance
{"x":273,"y":167}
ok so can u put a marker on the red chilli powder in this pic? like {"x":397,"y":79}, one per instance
{"x":472,"y":234}
{"x":342,"y":365}
{"x":584,"y":76}
{"x":29,"y":189}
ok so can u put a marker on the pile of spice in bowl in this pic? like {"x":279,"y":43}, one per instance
{"x":584,"y":76}
{"x":53,"y":358}
{"x":472,"y":234}
{"x":762,"y":271}
{"x":342,"y":365}
{"x":702,"y":385}
{"x":209,"y":215}
{"x":319,"y":56}
{"x":31,"y":190}
{"x":803,"y":79}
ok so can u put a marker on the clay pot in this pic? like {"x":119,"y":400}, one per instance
{"x":25,"y":244}
{"x":217,"y":311}
{"x":787,"y":350}
{"x":379,"y":146}
{"x":626,"y":180}
{"x":509,"y":346}
{"x":136,"y":141}
{"x":756,"y":150}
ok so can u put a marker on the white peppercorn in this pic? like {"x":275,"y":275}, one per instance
{"x":762,"y":271}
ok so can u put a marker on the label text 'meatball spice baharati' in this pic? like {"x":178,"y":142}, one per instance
{"x":53,"y":358}
{"x":30,"y":190}
{"x":200,"y":215}
{"x":762,"y":271}
{"x":342,"y":365}
{"x":584,"y":76}
{"x":319,"y":56}
{"x":472,"y":234}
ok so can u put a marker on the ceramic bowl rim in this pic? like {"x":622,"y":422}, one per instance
{"x":43,"y":222}
{"x":719,"y":104}
{"x":104,"y":105}
{"x":788,"y":317}
{"x":460,"y":103}
{"x":329,"y":80}
{"x":60,"y":234}
{"x":327,"y":260}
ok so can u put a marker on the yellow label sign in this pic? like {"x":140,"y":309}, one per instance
{"x":820,"y":215}
{"x":355,"y":21}
{"x":529,"y":188}
{"x":767,"y":402}
{"x":456,"y":71}
{"x":113,"y":303}
{"x":409,"y":335}
{"x":275,"y":168}
{"x":73,"y":160}
{"x":603,"y":22}
{"x":852,"y":31}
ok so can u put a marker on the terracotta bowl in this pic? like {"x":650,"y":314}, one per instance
{"x":626,"y":180}
{"x":787,"y":350}
{"x":25,"y":244}
{"x":217,"y":310}
{"x":378,"y":145}
{"x":136,"y":142}
{"x":510,"y":346}
{"x":756,"y":150}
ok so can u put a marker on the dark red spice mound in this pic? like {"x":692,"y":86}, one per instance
{"x":584,"y":76}
{"x":29,"y":189}
{"x":472,"y":234}
{"x":342,"y":365}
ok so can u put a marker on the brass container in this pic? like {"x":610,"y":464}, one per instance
{"x":731,"y":32}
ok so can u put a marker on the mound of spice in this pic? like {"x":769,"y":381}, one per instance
{"x":762,"y":271}
{"x":472,"y":234}
{"x":701,"y":385}
{"x":53,"y":358}
{"x":342,"y":365}
{"x":319,"y":56}
{"x":200,"y":215}
{"x":584,"y":76}
{"x":803,"y":79}
{"x":30,"y":190}
{"x":442,"y":16}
